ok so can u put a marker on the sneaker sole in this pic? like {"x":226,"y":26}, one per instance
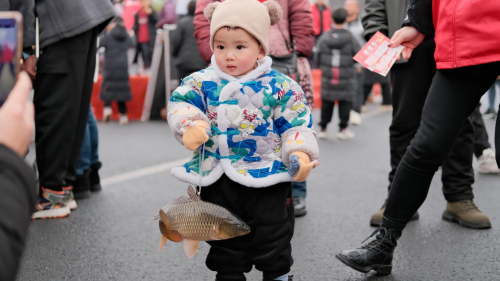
{"x":72,"y":205}
{"x":447,"y":216}
{"x":52,"y":214}
{"x":300,"y":213}
{"x":380,"y":269}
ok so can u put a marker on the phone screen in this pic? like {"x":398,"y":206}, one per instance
{"x":9,"y":56}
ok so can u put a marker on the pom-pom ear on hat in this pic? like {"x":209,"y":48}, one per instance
{"x":210,"y":9}
{"x":275,"y":11}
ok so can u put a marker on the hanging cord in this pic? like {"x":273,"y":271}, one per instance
{"x":200,"y":169}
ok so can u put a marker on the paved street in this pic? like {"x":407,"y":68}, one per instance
{"x":112,"y":235}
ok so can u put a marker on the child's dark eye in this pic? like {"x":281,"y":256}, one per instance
{"x":220,"y":47}
{"x":239,"y":47}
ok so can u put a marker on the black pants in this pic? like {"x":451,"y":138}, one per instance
{"x":122,"y":106}
{"x":386,"y":93}
{"x":481,"y":138}
{"x":147,"y":54}
{"x":410,"y":86}
{"x":63,"y":88}
{"x":452,"y":98}
{"x":269,"y":213}
{"x":327,"y":112}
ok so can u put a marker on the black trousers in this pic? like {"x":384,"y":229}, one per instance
{"x":481,"y":138}
{"x":327,"y":112}
{"x":453,"y":96}
{"x":269,"y":213}
{"x":410,"y":86}
{"x":63,"y":88}
{"x":122,"y":106}
{"x":147,"y":54}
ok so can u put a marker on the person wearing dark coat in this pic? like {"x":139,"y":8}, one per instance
{"x":115,"y":83}
{"x":185,"y":50}
{"x":18,"y":183}
{"x":145,"y":29}
{"x":336,"y":48}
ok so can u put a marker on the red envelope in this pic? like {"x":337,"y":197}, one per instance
{"x":377,"y":56}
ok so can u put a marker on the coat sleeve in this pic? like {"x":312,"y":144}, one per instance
{"x":375,"y":18}
{"x":301,"y":26}
{"x":187,"y":105}
{"x":27,"y":9}
{"x":293,"y":121}
{"x":420,"y":16}
{"x":153,"y":17}
{"x":202,"y":30}
{"x":18,"y":187}
{"x":135,"y":28}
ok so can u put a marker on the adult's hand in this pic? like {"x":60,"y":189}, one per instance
{"x":29,"y":65}
{"x":17,"y":117}
{"x":409,"y":37}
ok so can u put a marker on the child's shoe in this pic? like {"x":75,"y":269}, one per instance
{"x":323,"y":135}
{"x":107,"y":114}
{"x":51,"y":205}
{"x":345,"y":134}
{"x":69,"y":198}
{"x":95,"y":180}
{"x":487,"y":162}
{"x":355,"y":118}
{"x":123,"y":119}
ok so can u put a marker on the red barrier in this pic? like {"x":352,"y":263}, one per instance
{"x":316,"y":77}
{"x":138,"y":86}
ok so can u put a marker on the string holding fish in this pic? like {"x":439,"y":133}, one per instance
{"x":201,"y":157}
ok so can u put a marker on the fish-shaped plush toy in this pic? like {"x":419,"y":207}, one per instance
{"x":193,"y":220}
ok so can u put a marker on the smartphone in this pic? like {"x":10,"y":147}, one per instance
{"x":11,"y":45}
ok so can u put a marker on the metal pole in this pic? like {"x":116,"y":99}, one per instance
{"x":166,"y":46}
{"x":150,"y":91}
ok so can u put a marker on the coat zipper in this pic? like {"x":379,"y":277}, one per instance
{"x":454,"y":36}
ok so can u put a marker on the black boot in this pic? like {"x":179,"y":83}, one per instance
{"x":81,"y":186}
{"x":95,"y":181}
{"x":376,"y":255}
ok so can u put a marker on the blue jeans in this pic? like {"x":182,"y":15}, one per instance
{"x":89,"y":152}
{"x":299,"y":189}
{"x":491,"y":95}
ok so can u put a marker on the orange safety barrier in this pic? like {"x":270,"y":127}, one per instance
{"x":138,"y":86}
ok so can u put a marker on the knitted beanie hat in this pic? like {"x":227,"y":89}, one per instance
{"x":251,"y":15}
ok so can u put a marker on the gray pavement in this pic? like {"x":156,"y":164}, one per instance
{"x":112,"y":235}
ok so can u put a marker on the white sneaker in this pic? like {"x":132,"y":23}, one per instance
{"x":355,"y":118}
{"x":323,"y":135}
{"x":107,"y":114}
{"x":488,"y":163}
{"x":123,"y":120}
{"x":345,"y":134}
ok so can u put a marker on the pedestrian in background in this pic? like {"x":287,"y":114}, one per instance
{"x":295,"y":26}
{"x":63,"y":87}
{"x":187,"y":58}
{"x":335,"y":49}
{"x":87,"y":170}
{"x":115,"y":77}
{"x":322,"y":18}
{"x":145,"y":29}
{"x":492,"y":92}
{"x":167,"y":14}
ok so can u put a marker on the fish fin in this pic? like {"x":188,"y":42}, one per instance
{"x":193,"y":194}
{"x":177,"y":201}
{"x":169,"y":233}
{"x":213,"y":233}
{"x":157,"y":217}
{"x":163,"y":241}
{"x":190,"y":247}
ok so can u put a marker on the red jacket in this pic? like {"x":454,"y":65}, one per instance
{"x":467,"y":32}
{"x":327,"y":19}
{"x":298,"y":22}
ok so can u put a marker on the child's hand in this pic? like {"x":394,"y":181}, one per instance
{"x":195,"y":135}
{"x":300,"y":166}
